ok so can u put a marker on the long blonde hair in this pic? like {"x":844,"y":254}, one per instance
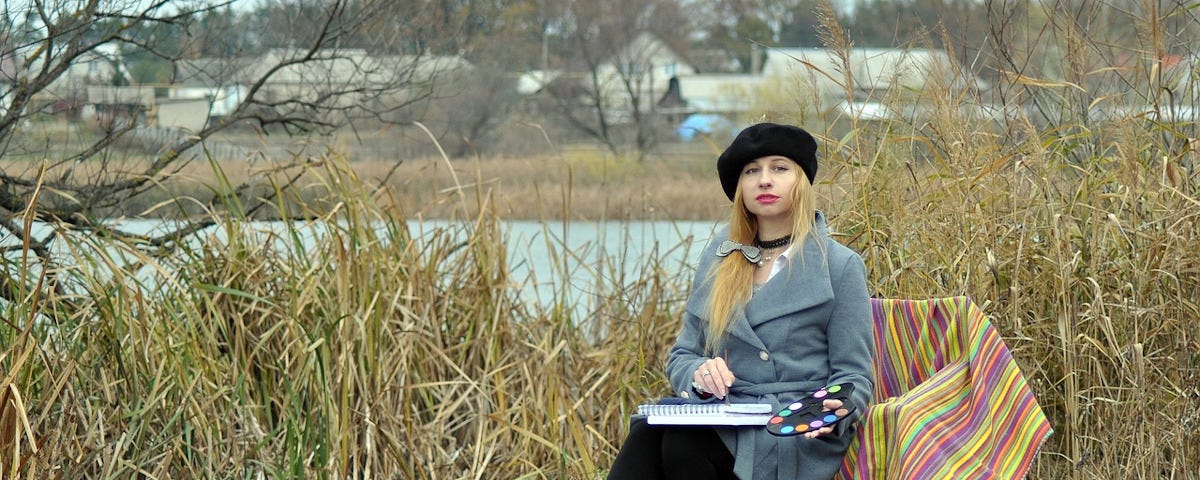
{"x":732,"y":277}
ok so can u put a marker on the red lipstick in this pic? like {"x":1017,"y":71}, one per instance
{"x":767,"y":198}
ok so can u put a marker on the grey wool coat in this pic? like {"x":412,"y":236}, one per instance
{"x":806,"y":328}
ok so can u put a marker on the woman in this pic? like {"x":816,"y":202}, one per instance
{"x":765,"y":328}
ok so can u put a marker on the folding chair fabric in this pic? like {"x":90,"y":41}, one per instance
{"x":950,"y":400}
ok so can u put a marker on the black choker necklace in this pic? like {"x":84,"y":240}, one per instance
{"x":776,"y":243}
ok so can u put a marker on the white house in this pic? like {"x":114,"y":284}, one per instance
{"x":866,"y":72}
{"x":640,"y":74}
{"x":817,"y":79}
{"x":68,"y":91}
{"x":712,"y":93}
{"x":649,"y":73}
{"x":8,"y":78}
{"x":534,"y":81}
{"x":376,"y":79}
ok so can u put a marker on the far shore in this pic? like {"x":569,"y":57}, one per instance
{"x":580,"y":185}
{"x":677,"y":182}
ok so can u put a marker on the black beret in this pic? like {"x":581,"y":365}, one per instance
{"x":763,"y":140}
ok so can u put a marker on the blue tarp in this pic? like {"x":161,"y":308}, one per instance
{"x":706,"y":124}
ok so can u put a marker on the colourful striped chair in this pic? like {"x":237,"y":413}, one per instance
{"x":950,"y":400}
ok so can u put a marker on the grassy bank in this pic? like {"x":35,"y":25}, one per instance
{"x":574,"y":183}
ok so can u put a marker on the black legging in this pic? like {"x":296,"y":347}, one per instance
{"x":652,"y":453}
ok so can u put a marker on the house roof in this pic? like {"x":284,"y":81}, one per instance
{"x":209,"y":72}
{"x":8,"y":63}
{"x":647,"y":51}
{"x":719,"y":92}
{"x":871,"y":68}
{"x":337,"y":67}
{"x":534,"y":81}
{"x":103,"y":94}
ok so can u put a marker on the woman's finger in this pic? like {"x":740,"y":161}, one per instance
{"x":727,"y":376}
{"x":708,"y":377}
{"x":715,"y":380}
{"x":701,"y":375}
{"x":819,"y":432}
{"x":714,"y":376}
{"x":723,"y":375}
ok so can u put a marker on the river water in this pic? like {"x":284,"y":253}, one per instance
{"x":549,"y":261}
{"x":575,"y":259}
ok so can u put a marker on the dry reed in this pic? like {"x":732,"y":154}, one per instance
{"x":368,"y":351}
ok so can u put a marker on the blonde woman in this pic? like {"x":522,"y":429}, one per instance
{"x":777,"y":310}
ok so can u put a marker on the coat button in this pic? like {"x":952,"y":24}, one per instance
{"x":684,"y":394}
{"x":764,"y":356}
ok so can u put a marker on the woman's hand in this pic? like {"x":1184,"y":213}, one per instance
{"x":714,"y":376}
{"x":828,"y":406}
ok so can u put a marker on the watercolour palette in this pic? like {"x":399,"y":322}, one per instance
{"x":808,"y":414}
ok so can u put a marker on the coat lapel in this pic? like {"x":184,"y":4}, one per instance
{"x":740,"y":328}
{"x":801,"y":285}
{"x":697,"y":304}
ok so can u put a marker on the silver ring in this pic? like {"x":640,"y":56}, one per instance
{"x":706,"y":372}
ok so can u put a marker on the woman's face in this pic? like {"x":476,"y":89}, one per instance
{"x":767,"y":185}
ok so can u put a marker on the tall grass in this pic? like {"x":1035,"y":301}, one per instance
{"x":367,"y":351}
{"x":361,"y":352}
{"x":1074,"y":219}
{"x":1087,"y":269}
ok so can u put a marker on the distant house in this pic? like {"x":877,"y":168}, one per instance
{"x":1181,"y":76}
{"x":649,"y":75}
{"x":188,"y":114}
{"x":535,"y":81}
{"x":102,"y":66}
{"x":634,"y":78}
{"x":712,"y":93}
{"x":109,"y":107}
{"x":221,"y":81}
{"x":790,"y":75}
{"x":1180,"y":73}
{"x":1165,"y":88}
{"x":640,"y":73}
{"x":8,"y":77}
{"x":866,"y":72}
{"x":378,"y":80}
{"x":67,"y":92}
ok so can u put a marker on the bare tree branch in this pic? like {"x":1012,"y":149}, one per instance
{"x":321,"y":73}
